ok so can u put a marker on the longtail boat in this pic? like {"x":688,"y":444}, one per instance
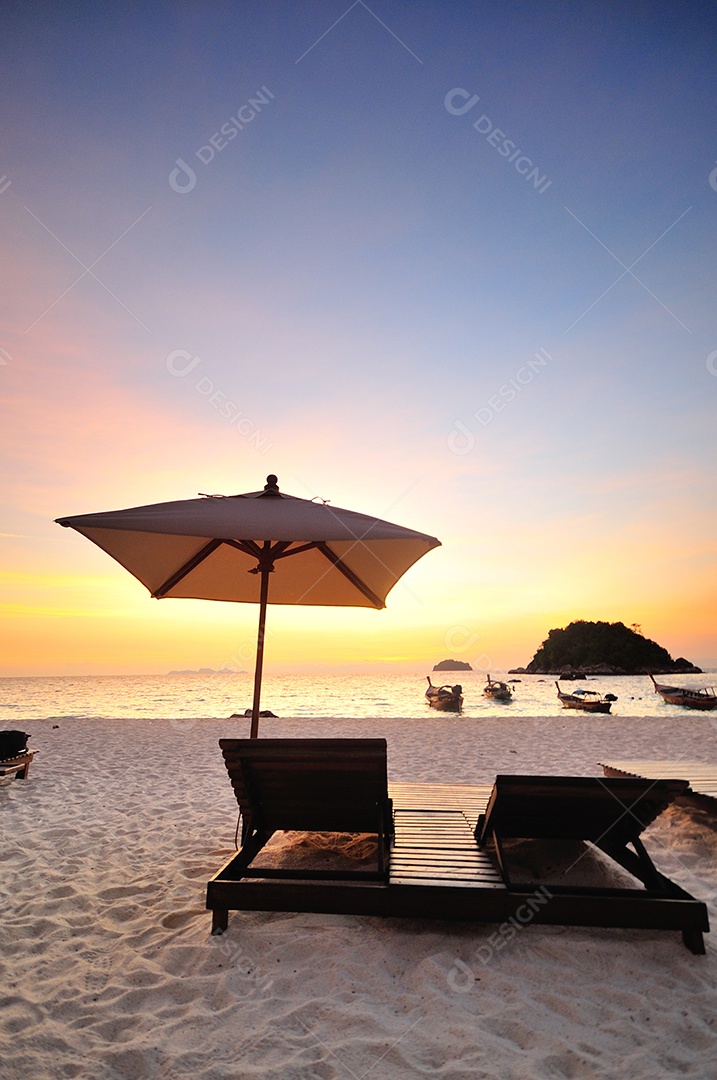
{"x":687,"y":697}
{"x":587,"y":700}
{"x":497,"y":691}
{"x":446,"y":698}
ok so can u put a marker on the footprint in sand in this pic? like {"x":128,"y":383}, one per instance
{"x":61,"y":834}
{"x":179,"y":919}
{"x":122,"y":892}
{"x":96,"y":977}
{"x":61,"y":892}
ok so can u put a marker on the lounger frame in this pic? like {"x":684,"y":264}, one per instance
{"x":20,"y":765}
{"x":447,"y":856}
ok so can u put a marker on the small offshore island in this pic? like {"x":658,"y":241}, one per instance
{"x":208,"y":671}
{"x":452,"y":665}
{"x":602,"y":648}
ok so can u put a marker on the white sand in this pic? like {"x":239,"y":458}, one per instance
{"x":109,"y":971}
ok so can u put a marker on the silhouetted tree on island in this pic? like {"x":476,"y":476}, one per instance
{"x":586,"y":645}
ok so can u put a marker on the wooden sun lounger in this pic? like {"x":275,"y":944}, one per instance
{"x":441,"y":864}
{"x":306,"y":785}
{"x":610,"y":813}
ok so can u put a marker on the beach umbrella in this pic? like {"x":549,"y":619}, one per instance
{"x":262,"y":547}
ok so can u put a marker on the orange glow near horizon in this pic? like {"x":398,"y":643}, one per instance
{"x":490,"y":602}
{"x":489,"y":596}
{"x":77,"y":622}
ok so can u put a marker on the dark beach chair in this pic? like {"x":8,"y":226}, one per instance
{"x":15,"y":758}
{"x":611,"y":813}
{"x":305,"y":785}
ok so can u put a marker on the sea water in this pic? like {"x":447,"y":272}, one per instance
{"x":311,"y":695}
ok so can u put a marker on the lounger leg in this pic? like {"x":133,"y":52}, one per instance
{"x":220,"y":920}
{"x":694,"y":941}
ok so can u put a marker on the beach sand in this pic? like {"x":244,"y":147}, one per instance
{"x":109,"y":971}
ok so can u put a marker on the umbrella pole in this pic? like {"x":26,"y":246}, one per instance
{"x":263,"y":596}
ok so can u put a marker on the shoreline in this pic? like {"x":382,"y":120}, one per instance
{"x":355,"y":697}
{"x":571,"y":742}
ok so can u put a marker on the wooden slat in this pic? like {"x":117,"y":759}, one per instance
{"x":445,"y":875}
{"x":435,"y":857}
{"x":469,"y":800}
{"x":701,"y":775}
{"x":437,"y":847}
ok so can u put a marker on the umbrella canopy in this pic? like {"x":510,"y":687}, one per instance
{"x":229,"y":547}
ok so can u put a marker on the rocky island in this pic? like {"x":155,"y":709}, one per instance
{"x":452,"y":665}
{"x":602,"y":648}
{"x":208,"y":671}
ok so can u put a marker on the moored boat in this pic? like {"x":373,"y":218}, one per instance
{"x":689,"y":698}
{"x":446,"y":698}
{"x":587,"y":700}
{"x":497,"y":691}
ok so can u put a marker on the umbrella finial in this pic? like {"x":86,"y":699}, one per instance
{"x":271,"y":487}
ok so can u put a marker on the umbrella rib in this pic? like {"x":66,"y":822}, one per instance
{"x":349,"y":574}
{"x":249,"y":547}
{"x":297,"y":550}
{"x":252,"y":548}
{"x":190,"y":565}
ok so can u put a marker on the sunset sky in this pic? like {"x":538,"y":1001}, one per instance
{"x":452,"y":265}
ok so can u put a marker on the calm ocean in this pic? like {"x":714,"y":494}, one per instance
{"x":342,"y":696}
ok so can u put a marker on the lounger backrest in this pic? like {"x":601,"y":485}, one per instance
{"x":336,"y":785}
{"x":581,"y":808}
